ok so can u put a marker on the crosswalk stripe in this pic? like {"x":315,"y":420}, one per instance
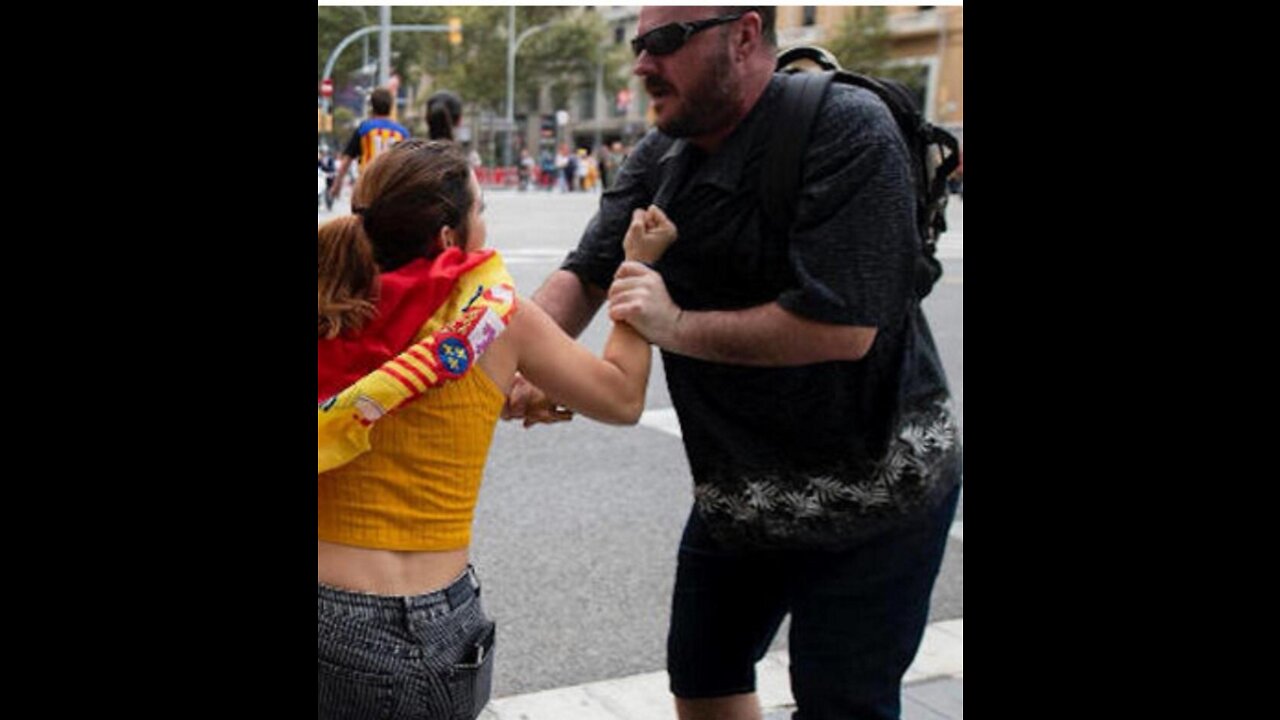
{"x":663,"y":419}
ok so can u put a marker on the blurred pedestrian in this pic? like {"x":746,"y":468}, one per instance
{"x":565,"y":169}
{"x":325,"y":164}
{"x":525,"y":169}
{"x":371,"y":137}
{"x":444,"y":115}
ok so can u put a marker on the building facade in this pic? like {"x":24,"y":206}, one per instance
{"x":927,"y":37}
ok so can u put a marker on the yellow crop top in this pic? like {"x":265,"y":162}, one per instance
{"x":417,"y":488}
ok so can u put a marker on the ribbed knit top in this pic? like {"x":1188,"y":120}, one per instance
{"x":417,"y":488}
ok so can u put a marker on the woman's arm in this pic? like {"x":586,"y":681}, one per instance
{"x":611,"y":388}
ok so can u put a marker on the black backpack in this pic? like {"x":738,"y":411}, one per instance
{"x":934,"y":151}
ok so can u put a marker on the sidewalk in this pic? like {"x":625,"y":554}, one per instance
{"x":934,"y":689}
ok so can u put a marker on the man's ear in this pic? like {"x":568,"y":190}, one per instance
{"x":748,"y":36}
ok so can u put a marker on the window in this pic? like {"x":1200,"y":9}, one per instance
{"x":619,"y":35}
{"x":587,"y":103}
{"x":810,"y":15}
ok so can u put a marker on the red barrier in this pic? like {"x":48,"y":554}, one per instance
{"x":497,"y":177}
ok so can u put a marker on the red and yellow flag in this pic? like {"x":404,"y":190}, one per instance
{"x":474,"y":311}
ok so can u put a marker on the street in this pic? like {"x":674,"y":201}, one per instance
{"x":576,"y":530}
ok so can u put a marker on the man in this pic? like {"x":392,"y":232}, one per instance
{"x":616,"y":157}
{"x":325,"y":165}
{"x":525,"y":169}
{"x":813,"y":407}
{"x":371,"y":137}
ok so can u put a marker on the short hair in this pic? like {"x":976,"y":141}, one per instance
{"x":380,"y":100}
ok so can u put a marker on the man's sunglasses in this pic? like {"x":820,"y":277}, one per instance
{"x":672,"y":36}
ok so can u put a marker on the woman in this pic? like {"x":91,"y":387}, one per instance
{"x":444,"y":115}
{"x":400,"y":630}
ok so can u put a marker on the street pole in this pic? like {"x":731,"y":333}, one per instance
{"x":511,"y":83}
{"x":513,"y":46}
{"x":364,"y":33}
{"x":384,"y":47}
{"x":600,"y":104}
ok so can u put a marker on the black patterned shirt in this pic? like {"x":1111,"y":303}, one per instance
{"x":822,"y":454}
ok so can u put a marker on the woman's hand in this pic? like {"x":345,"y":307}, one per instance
{"x":650,"y":234}
{"x":528,"y":403}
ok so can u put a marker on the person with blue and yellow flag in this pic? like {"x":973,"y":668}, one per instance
{"x":371,"y":138}
{"x":420,"y":337}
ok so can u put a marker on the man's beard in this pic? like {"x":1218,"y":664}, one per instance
{"x":707,"y":106}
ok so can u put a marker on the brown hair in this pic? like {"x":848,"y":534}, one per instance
{"x":380,"y":101}
{"x":402,"y":201}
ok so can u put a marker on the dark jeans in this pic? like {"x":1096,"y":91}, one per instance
{"x":857,"y":617}
{"x":422,"y":656}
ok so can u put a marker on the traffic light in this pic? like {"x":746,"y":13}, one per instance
{"x":455,"y":31}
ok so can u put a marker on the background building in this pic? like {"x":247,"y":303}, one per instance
{"x":591,"y":115}
{"x":926,"y":38}
{"x":921,"y":44}
{"x":929,"y":38}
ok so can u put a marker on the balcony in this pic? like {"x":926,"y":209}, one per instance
{"x":923,"y":22}
{"x":789,"y":37}
{"x":619,"y":13}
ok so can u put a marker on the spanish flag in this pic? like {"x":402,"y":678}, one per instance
{"x":457,"y":302}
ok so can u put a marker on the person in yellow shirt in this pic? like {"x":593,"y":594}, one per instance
{"x":420,"y":337}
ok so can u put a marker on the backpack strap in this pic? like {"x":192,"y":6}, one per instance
{"x":802,"y":95}
{"x":936,"y":135}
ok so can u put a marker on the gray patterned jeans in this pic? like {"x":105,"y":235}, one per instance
{"x":422,"y":656}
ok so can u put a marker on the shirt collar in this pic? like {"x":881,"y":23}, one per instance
{"x":723,"y":168}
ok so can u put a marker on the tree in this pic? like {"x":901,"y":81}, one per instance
{"x":565,"y":55}
{"x":862,"y":45}
{"x":344,"y":123}
{"x":567,"y":52}
{"x":333,"y":23}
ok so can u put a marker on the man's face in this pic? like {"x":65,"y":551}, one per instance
{"x":694,"y":90}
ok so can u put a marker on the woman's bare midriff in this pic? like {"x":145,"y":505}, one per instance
{"x":387,"y":572}
{"x":395,"y":572}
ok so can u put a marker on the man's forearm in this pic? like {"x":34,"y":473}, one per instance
{"x":569,"y":301}
{"x":765,"y":336}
